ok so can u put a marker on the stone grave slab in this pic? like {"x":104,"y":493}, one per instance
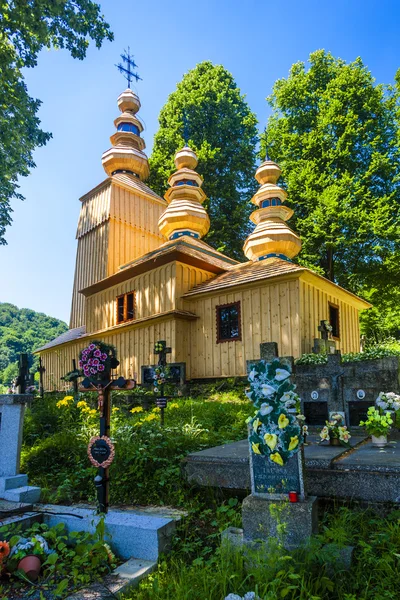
{"x":316,"y":412}
{"x":358,"y":411}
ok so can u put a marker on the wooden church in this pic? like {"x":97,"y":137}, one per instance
{"x":144,"y":274}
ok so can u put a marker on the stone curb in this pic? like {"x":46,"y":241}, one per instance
{"x":119,"y":582}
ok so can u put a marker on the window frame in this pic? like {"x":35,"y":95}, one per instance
{"x":337,"y":308}
{"x":218,"y":308}
{"x":125,"y":299}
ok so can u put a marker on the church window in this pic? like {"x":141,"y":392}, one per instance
{"x":126,"y":307}
{"x":334,"y":320}
{"x":228,"y":322}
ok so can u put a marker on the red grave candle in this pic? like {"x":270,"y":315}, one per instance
{"x":293,"y":497}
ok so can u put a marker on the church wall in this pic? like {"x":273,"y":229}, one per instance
{"x":135,"y":346}
{"x":91,"y":266}
{"x":269,"y":312}
{"x":134,"y":227}
{"x":314,"y":307}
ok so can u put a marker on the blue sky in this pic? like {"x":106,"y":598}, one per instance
{"x":256,"y":40}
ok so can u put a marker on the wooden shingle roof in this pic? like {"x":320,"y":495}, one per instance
{"x":246,"y":273}
{"x":69,"y":336}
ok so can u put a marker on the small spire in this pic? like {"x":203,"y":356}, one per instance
{"x":185,"y":215}
{"x":271,"y":238}
{"x":126,"y":153}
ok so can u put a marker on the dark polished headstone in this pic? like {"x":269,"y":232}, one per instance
{"x":316,"y":413}
{"x":270,"y":478}
{"x":358,"y":410}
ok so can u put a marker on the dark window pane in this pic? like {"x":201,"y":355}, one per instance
{"x":228,"y":322}
{"x":334,"y":320}
{"x":130,"y":307}
{"x":120,"y":309}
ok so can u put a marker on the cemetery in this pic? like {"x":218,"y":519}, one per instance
{"x":213,"y":423}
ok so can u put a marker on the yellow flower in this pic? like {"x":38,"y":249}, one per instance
{"x":256,"y":424}
{"x":173,"y":405}
{"x":283,"y":421}
{"x":85,"y":410}
{"x":271,"y":439}
{"x":156,"y":410}
{"x":150,"y":418}
{"x":81,"y":404}
{"x":137,"y":409}
{"x":277,"y":458}
{"x":93,"y":412}
{"x":115,"y":409}
{"x":294,"y":441}
{"x":69,"y":399}
{"x":255,"y":448}
{"x":61,"y":403}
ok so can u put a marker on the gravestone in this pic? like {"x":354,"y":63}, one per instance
{"x":271,"y":487}
{"x":13,"y":485}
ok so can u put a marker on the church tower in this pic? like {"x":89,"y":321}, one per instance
{"x":118,"y":220}
{"x":272,"y":237}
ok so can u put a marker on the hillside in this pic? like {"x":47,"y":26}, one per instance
{"x":23,"y":330}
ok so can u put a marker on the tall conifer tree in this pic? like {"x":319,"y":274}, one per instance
{"x":222,"y":130}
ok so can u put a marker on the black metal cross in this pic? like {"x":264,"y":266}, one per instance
{"x":42,"y":371}
{"x":161,"y":349}
{"x":128,"y":71}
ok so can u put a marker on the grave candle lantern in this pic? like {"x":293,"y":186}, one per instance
{"x":293,"y":497}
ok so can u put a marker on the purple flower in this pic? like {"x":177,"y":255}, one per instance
{"x":93,"y":371}
{"x":95,"y":362}
{"x":100,"y":368}
{"x":104,"y":356}
{"x":80,"y":364}
{"x":97,"y":353}
{"x":92,"y":347}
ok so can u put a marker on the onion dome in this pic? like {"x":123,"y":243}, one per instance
{"x":271,"y":237}
{"x":126,"y":154}
{"x":185,"y":214}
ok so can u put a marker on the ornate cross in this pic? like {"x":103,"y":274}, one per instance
{"x":128,"y":71}
{"x":161,"y":349}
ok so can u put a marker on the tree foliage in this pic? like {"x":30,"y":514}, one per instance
{"x":335,"y":134}
{"x":222,"y":130}
{"x":23,"y":330}
{"x":25,"y":28}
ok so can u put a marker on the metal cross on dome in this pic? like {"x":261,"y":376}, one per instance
{"x":128,"y":71}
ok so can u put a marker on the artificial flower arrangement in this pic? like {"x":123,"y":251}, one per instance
{"x":276,"y":430}
{"x":160,"y":376}
{"x":27,"y":554}
{"x":377,"y":424}
{"x":335,"y":430}
{"x":4,"y":553}
{"x":97,"y":360}
{"x":388,"y":401}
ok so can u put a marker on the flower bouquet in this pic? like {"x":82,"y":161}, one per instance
{"x":335,"y":431}
{"x":27,"y":555}
{"x":160,"y":376}
{"x":4,"y":552}
{"x":390,"y":401}
{"x":97,"y":360}
{"x":377,"y":426}
{"x":275,"y":429}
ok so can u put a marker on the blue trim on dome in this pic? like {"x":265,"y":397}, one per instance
{"x":274,"y":255}
{"x":128,"y":127}
{"x":179,"y":234}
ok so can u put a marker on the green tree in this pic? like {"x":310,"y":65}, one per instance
{"x":222,"y":130}
{"x":333,"y":131}
{"x":25,"y":28}
{"x":23,"y":330}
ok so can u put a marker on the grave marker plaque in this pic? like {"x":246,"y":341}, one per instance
{"x":358,"y":411}
{"x":273,"y":481}
{"x":316,"y":413}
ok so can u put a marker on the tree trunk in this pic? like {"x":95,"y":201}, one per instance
{"x":330,"y":264}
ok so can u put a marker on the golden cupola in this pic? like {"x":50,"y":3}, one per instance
{"x":126,"y":153}
{"x":272,"y":237}
{"x":185,"y":214}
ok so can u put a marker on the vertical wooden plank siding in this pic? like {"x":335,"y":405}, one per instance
{"x":314,"y":307}
{"x":115,"y":227}
{"x":269,"y":312}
